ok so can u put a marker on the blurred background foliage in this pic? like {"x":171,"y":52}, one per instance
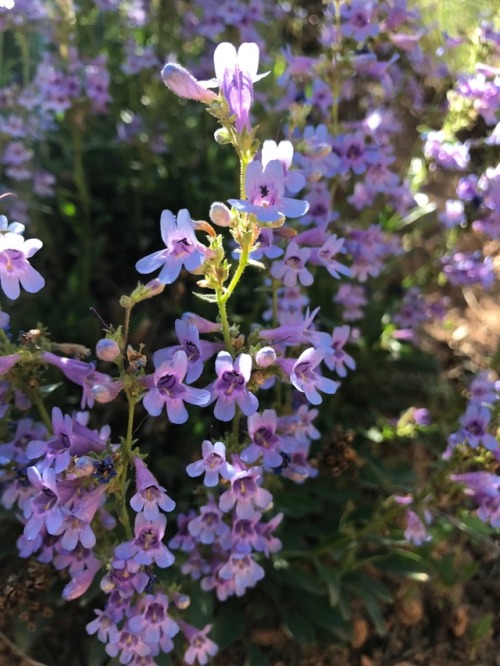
{"x":343,"y":543}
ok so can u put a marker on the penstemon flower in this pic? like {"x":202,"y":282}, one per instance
{"x":182,"y":248}
{"x":166,"y":388}
{"x":265,"y":190}
{"x":15,"y":269}
{"x":229,"y":389}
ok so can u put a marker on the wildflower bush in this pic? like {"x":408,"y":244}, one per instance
{"x":263,"y":434}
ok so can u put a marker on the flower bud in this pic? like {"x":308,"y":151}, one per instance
{"x":84,"y":466}
{"x":107,"y":350}
{"x":154,"y":288}
{"x":182,"y":601}
{"x":265,"y":357}
{"x":103,"y":393}
{"x":182,"y":83}
{"x":220,"y":214}
{"x":222,"y":137}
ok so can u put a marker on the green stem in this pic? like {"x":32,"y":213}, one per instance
{"x":126,"y":328}
{"x":221,"y":302}
{"x":242,"y":264}
{"x":42,"y":410}
{"x":127,"y":458}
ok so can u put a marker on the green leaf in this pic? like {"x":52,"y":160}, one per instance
{"x":229,"y":625}
{"x":302,"y":580}
{"x":299,"y":627}
{"x":361,"y":580}
{"x":209,"y":298}
{"x":255,"y":657}
{"x":332,"y":580}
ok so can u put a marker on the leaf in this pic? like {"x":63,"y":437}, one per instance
{"x":229,"y":625}
{"x":255,"y":657}
{"x":209,"y":298}
{"x":303,"y":580}
{"x":332,"y":580}
{"x":299,"y":627}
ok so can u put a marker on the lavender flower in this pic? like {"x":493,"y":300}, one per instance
{"x":213,"y":463}
{"x":265,"y":189}
{"x":183,"y":83}
{"x":200,"y":646}
{"x":182,"y":248}
{"x":246,"y":493}
{"x":307,"y":380}
{"x":147,"y":546}
{"x":293,"y":267}
{"x":208,"y":526}
{"x":262,"y":429}
{"x":243,"y":570}
{"x":15,"y":269}
{"x":236,"y":73}
{"x":149,"y":497}
{"x":167,"y":389}
{"x":230,"y":389}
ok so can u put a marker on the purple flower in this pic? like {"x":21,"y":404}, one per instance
{"x":333,"y":347}
{"x":262,"y":429}
{"x":130,"y":645}
{"x":474,"y":423}
{"x":265,"y":189}
{"x":166,"y":388}
{"x":236,"y":73}
{"x":243,"y":570}
{"x":484,"y":389}
{"x":70,"y":438}
{"x":183,"y":83}
{"x":153,"y":621}
{"x":359,"y":20}
{"x":45,"y":508}
{"x":307,"y":380}
{"x":126,"y":577}
{"x":230,"y":389}
{"x":293,"y":266}
{"x":484,"y":488}
{"x":182,"y":248}
{"x":209,"y":525}
{"x":7,"y":362}
{"x":149,"y":497}
{"x":197,"y":351}
{"x":83,"y":374}
{"x":76,"y":525}
{"x":213,"y":463}
{"x":104,"y":626}
{"x":15,"y":268}
{"x":147,"y":546}
{"x":283,"y":152}
{"x":415,"y":531}
{"x":246,"y":493}
{"x":200,"y":647}
{"x":326,"y":254}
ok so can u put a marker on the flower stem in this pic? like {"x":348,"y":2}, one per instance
{"x":42,"y":410}
{"x":221,"y":302}
{"x":126,"y":450}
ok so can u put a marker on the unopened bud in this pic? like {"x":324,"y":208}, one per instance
{"x":220,"y":214}
{"x":222,"y":136}
{"x":104,"y":393}
{"x":182,"y":601}
{"x":154,"y":288}
{"x":182,"y":83}
{"x":107,"y":350}
{"x":84,"y":466}
{"x":265,"y":357}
